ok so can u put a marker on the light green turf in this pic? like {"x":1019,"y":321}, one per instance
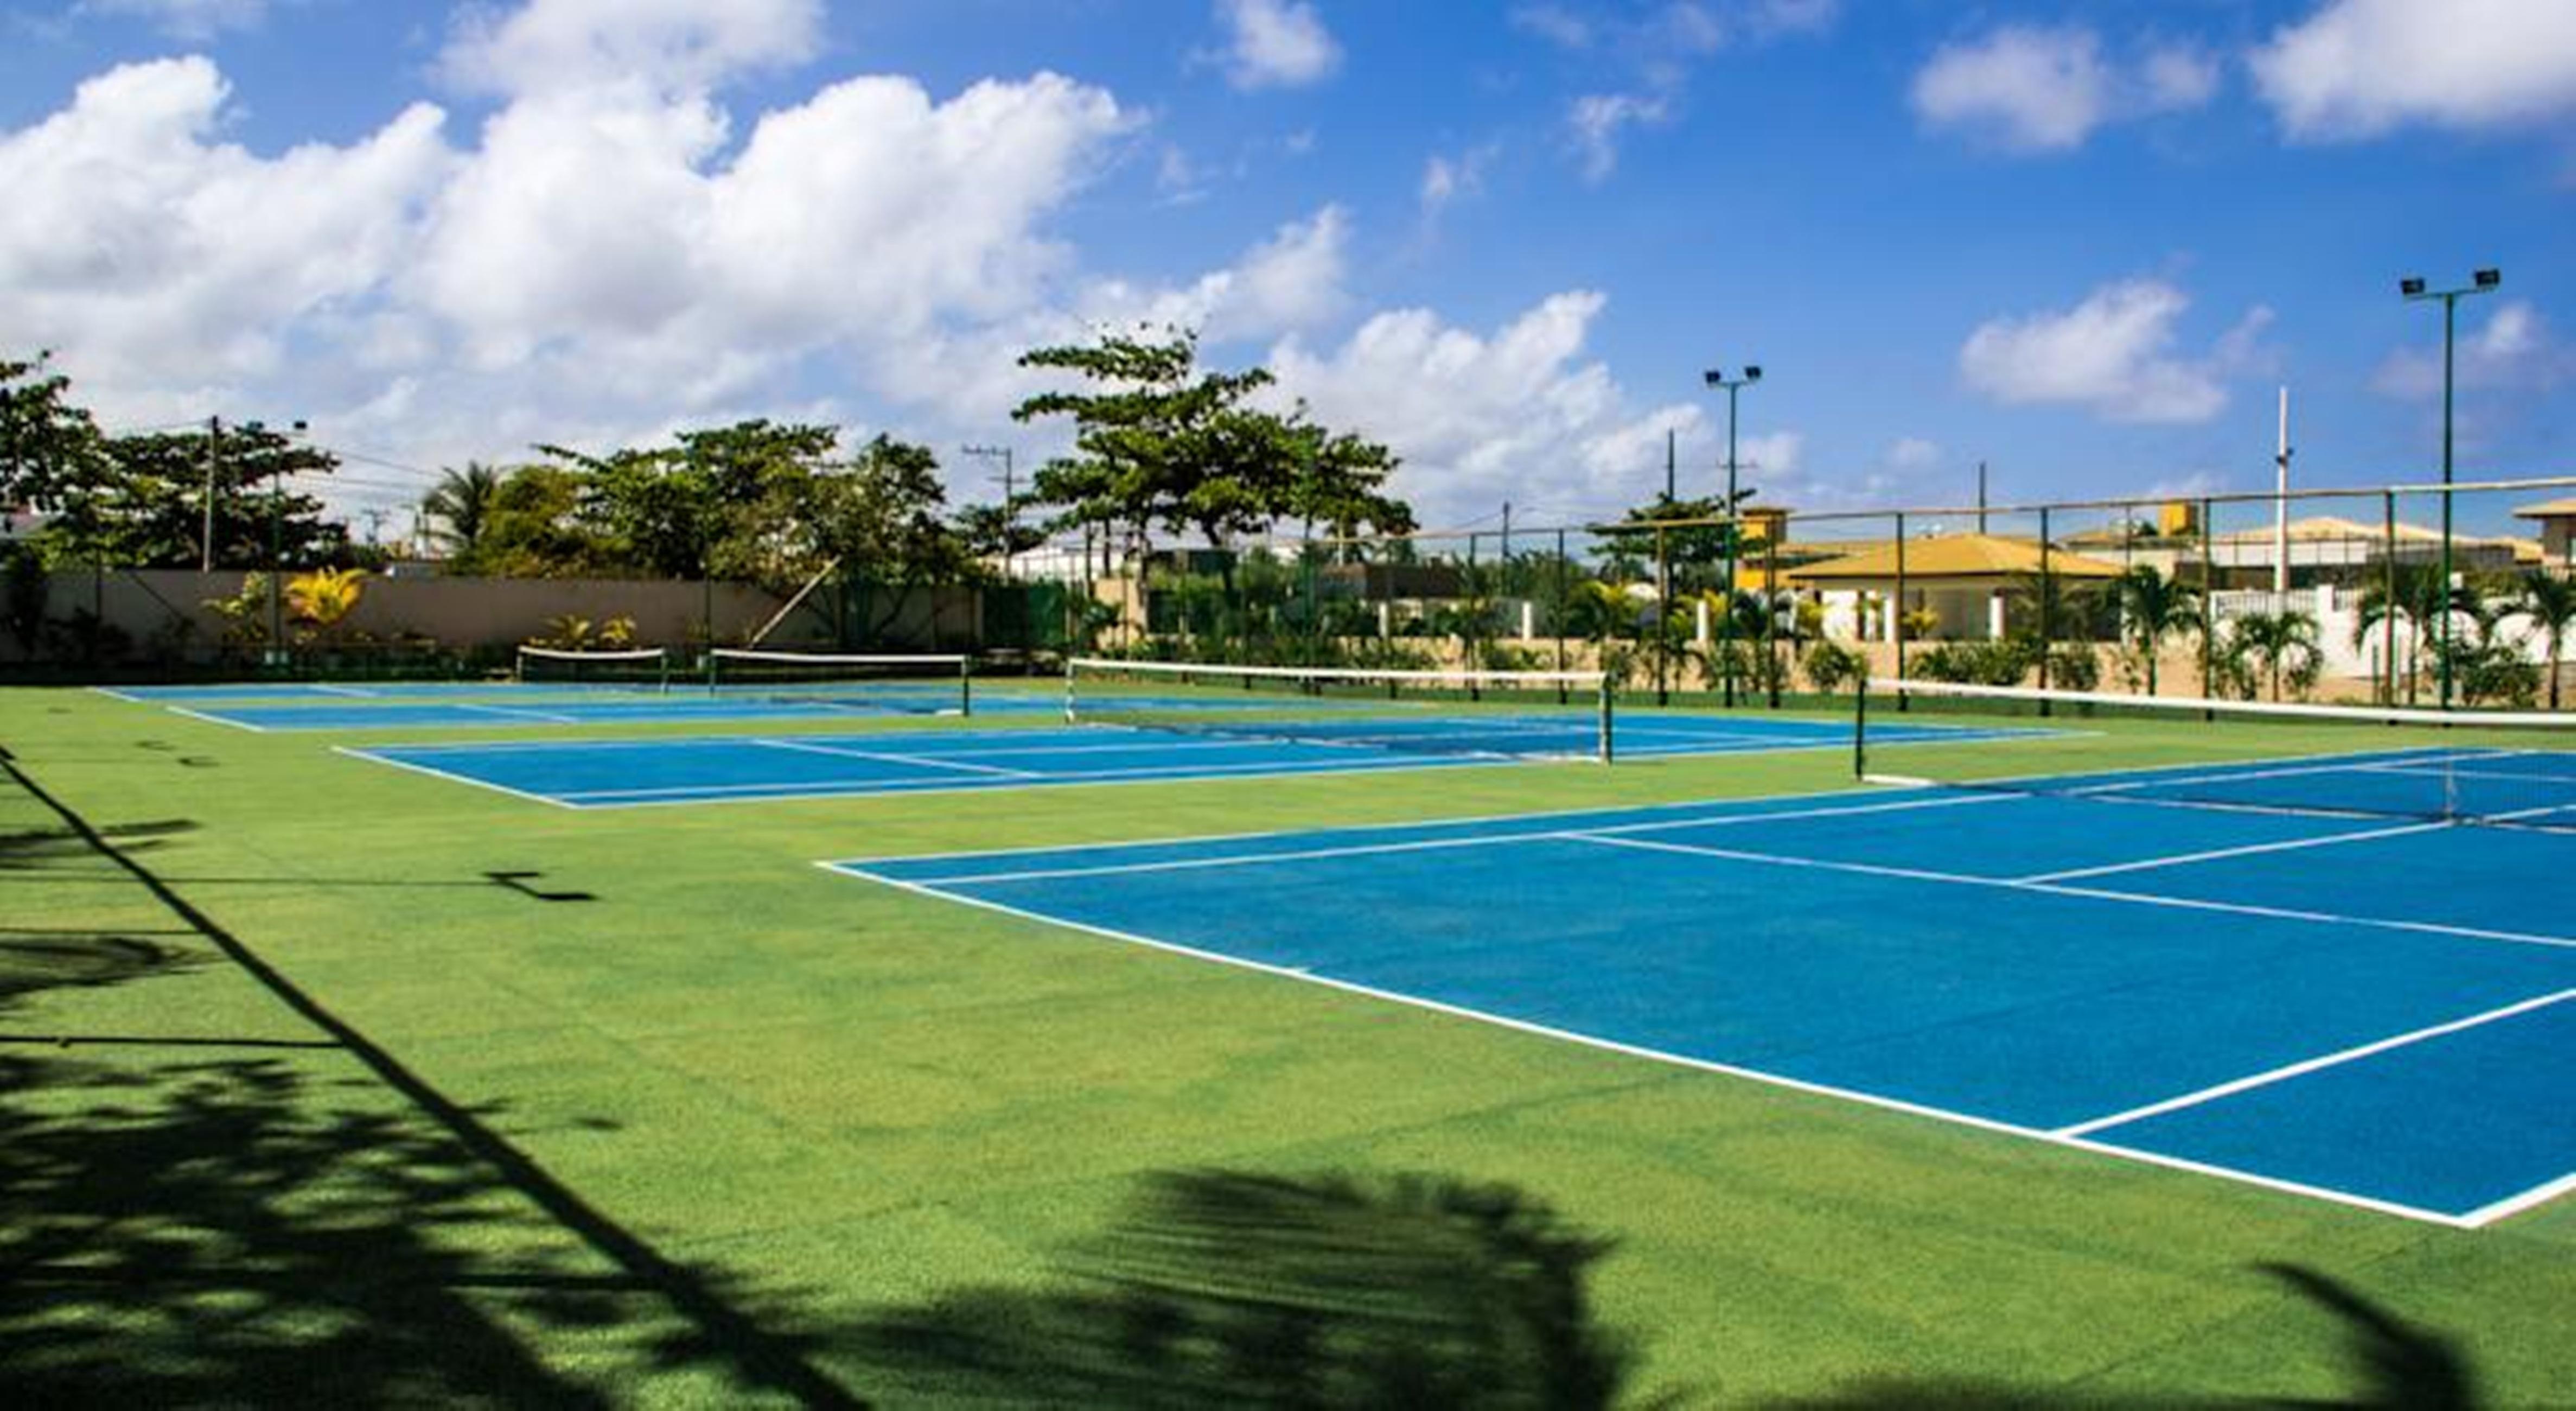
{"x":828,"y":1104}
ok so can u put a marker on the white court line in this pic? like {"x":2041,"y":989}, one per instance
{"x":914,"y":761}
{"x":1419,"y":845}
{"x":2531,"y":1199}
{"x":517,"y":713}
{"x":2248,"y":850}
{"x":1183,"y":774}
{"x":1468,"y":821}
{"x":1867,"y":869}
{"x":1800,"y":1085}
{"x":355,"y":753}
{"x":2288,"y":1071}
{"x":325,"y":689}
{"x":216,"y":719}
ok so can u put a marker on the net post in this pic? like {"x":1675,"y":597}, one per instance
{"x":1608,"y":725}
{"x":2047,"y":608}
{"x":662,"y":672}
{"x":965,"y":686}
{"x":1860,"y":729}
{"x":1070,"y":662}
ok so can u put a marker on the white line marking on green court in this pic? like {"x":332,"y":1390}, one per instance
{"x":1800,"y":1085}
{"x":2288,"y":1071}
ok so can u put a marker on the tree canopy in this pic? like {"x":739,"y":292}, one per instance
{"x":1161,"y":442}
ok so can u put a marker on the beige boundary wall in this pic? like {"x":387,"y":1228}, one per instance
{"x":163,"y":611}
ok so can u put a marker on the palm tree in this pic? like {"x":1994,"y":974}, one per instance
{"x":2273,"y":638}
{"x":2419,"y":600}
{"x":2549,"y":601}
{"x":461,"y":503}
{"x":2153,"y":608}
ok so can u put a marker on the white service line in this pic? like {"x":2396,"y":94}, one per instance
{"x":1800,"y":1085}
{"x":910,"y":761}
{"x":2247,"y":850}
{"x":2292,"y":1070}
{"x":1418,"y":844}
{"x":1866,"y":869}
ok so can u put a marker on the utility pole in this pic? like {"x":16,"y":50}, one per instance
{"x":1668,"y":465}
{"x":1981,"y":497}
{"x":2482,"y":282}
{"x":206,"y":542}
{"x":2281,"y":508}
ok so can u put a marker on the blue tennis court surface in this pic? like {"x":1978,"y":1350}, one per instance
{"x":2372,"y":1010}
{"x":704,"y":769}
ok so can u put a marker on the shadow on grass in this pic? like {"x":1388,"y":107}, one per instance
{"x":183,"y":1226}
{"x":1222,"y":1288}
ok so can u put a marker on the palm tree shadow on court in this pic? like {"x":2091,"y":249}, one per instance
{"x":1227,"y":1288}
{"x":293,"y":1217}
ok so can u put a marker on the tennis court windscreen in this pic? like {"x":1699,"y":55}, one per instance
{"x":631,"y":669}
{"x":2514,"y":769}
{"x":922,"y":683}
{"x":1535,"y":715}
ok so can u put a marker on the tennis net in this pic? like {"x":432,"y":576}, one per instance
{"x":633,"y":669}
{"x":913,"y":682}
{"x":1530,"y":715}
{"x":2510,"y":769}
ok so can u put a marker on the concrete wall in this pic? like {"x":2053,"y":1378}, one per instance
{"x":164,"y":612}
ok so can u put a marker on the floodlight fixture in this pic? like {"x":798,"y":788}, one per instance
{"x":2480,"y":282}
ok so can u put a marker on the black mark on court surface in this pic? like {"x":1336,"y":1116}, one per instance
{"x":199,"y":1229}
{"x":520,"y":882}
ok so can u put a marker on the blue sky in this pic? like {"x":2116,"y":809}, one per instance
{"x":2084,"y":243}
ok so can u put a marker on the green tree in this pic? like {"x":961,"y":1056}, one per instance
{"x":1160,"y":442}
{"x":52,"y":457}
{"x":537,"y":527}
{"x":883,"y":518}
{"x":2418,"y":598}
{"x":2547,"y":601}
{"x":152,"y":510}
{"x":2152,"y":609}
{"x":2278,"y":644}
{"x":460,"y":508}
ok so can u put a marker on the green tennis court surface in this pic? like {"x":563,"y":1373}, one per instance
{"x":333,"y":1082}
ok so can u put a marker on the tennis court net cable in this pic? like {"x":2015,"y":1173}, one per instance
{"x":924,"y":683}
{"x":1523,"y":715}
{"x":2514,"y":769}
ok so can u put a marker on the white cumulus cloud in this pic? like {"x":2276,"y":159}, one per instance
{"x":1276,"y":44}
{"x":553,"y":45}
{"x":2358,"y":68}
{"x":1517,"y":414}
{"x":1596,"y":120}
{"x":2513,"y":348}
{"x":2030,"y":89}
{"x":192,"y":20}
{"x":170,"y":257}
{"x":2113,"y":354}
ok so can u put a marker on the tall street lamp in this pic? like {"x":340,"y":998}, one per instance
{"x":2482,"y":282}
{"x":1716,"y":377}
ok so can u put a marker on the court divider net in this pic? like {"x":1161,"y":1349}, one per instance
{"x":2460,"y":766}
{"x":1522,"y":715}
{"x":626,"y":669}
{"x":925,"y":683}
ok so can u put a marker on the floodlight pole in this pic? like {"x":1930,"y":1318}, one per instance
{"x":2483,"y":282}
{"x":1716,"y":377}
